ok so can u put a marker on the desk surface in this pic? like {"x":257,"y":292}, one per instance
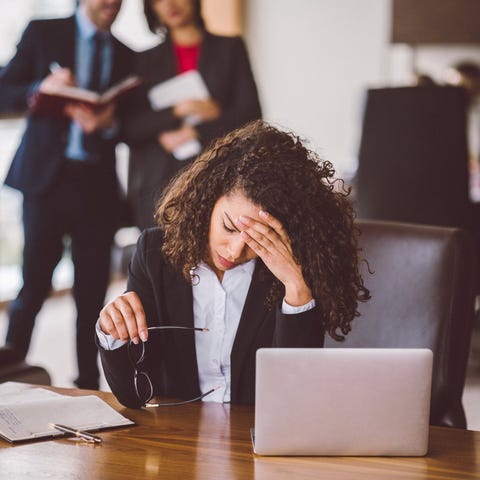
{"x":212,"y":441}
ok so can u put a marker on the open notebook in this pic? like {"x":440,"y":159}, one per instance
{"x":342,"y":401}
{"x":25,"y":413}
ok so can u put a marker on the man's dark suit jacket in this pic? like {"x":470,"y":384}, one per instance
{"x":170,"y":355}
{"x":225,"y":68}
{"x":40,"y":154}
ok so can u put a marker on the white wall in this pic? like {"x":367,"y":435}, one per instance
{"x":313,"y":60}
{"x":15,"y":14}
{"x":131,"y":27}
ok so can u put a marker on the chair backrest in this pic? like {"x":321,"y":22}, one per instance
{"x":413,"y":158}
{"x":422,"y":289}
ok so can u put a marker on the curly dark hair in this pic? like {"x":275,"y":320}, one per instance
{"x":274,"y":170}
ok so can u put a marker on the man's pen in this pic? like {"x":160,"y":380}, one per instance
{"x":54,"y":66}
{"x":88,"y":437}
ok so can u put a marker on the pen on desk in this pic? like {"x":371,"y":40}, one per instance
{"x":78,"y":433}
{"x":54,"y":66}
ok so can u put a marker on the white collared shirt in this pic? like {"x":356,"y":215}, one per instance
{"x":218,"y":306}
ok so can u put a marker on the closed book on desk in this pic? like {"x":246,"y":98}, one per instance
{"x":52,"y":101}
{"x":25,"y":413}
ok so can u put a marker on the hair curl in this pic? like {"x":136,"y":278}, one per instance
{"x":276,"y":171}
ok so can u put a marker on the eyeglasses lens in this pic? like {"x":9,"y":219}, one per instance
{"x":143,"y":386}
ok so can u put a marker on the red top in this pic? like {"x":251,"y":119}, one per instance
{"x":187,"y":57}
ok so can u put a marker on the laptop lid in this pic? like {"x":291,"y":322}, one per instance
{"x":335,"y":401}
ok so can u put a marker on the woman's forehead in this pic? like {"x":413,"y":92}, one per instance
{"x":236,"y":202}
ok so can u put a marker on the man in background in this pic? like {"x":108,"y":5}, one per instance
{"x":65,"y":168}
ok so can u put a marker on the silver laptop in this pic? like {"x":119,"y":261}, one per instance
{"x":342,"y":401}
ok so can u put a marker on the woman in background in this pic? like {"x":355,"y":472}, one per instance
{"x":154,"y":136}
{"x":256,"y":245}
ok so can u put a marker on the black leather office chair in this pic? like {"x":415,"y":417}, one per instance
{"x":17,"y":370}
{"x":422,"y":296}
{"x":413,"y":158}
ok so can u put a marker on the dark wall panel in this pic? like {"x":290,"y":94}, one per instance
{"x":436,"y":21}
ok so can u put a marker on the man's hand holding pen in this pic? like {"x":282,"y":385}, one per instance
{"x":58,"y":76}
{"x":89,"y":119}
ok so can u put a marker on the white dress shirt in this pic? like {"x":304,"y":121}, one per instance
{"x":217,"y":306}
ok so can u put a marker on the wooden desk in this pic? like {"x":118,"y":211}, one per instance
{"x":212,"y":441}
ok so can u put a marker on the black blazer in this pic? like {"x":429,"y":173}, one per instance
{"x":171,"y":359}
{"x":39,"y":156}
{"x":225,"y":68}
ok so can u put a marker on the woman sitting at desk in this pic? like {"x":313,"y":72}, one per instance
{"x":256,"y":246}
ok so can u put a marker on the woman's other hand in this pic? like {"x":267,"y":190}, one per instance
{"x":58,"y":78}
{"x":124,"y":318}
{"x":200,"y":110}
{"x":171,"y":139}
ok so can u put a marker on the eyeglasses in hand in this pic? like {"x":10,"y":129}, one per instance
{"x":141,"y":380}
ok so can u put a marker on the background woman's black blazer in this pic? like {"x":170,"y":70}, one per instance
{"x":225,"y":68}
{"x":171,"y":360}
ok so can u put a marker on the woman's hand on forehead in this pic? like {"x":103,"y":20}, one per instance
{"x":266,"y":224}
{"x":267,"y":237}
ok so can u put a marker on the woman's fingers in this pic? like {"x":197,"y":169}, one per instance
{"x":274,"y":223}
{"x":124,"y":318}
{"x":269,"y":240}
{"x":254,"y":244}
{"x":113,"y":322}
{"x":207,"y":109}
{"x":259,"y":242}
{"x":272,"y":244}
{"x":269,"y":232}
{"x":133,"y":316}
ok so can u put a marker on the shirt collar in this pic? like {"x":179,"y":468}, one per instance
{"x":86,"y":27}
